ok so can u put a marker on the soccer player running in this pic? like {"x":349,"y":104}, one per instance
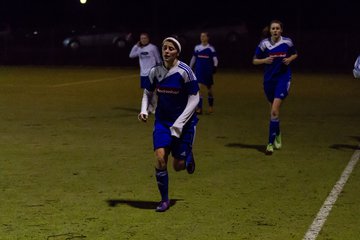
{"x":276,"y":52}
{"x":149,"y":56}
{"x":177,"y":90}
{"x":205,"y":61}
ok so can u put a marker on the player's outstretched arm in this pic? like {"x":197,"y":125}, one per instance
{"x":143,"y":115}
{"x":176,"y":128}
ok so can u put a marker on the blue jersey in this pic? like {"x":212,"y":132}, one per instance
{"x":205,"y":59}
{"x":284,"y":48}
{"x":172,"y":88}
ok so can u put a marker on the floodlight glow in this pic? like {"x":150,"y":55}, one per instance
{"x":82,"y":1}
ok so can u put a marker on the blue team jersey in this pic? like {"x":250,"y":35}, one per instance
{"x":284,"y":48}
{"x":173,"y":88}
{"x":204,"y":63}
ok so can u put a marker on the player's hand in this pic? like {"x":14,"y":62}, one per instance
{"x":142,"y":117}
{"x":269,"y":60}
{"x":175,"y":131}
{"x":286,"y":61}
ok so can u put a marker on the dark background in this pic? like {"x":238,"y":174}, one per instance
{"x":326,"y":33}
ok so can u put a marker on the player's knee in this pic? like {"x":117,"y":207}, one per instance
{"x":178,"y":165}
{"x":160,"y":162}
{"x":274,"y":114}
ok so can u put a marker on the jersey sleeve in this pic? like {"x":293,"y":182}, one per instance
{"x":134,"y":51}
{"x":259,"y":53}
{"x":150,"y":80}
{"x":157,"y":55}
{"x":357,"y":64}
{"x":214,"y":56}
{"x":292,"y":49}
{"x":192,"y":86}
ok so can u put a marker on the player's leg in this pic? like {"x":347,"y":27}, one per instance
{"x":281,"y":92}
{"x":162,"y":178}
{"x":274,"y":129}
{"x":143,"y":81}
{"x":186,"y":160}
{"x":269,"y":89}
{"x":210,"y":99}
{"x":199,"y":107}
{"x":182,"y":149}
{"x":209,"y":84}
{"x":162,"y":141}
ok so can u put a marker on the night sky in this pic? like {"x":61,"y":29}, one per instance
{"x":164,"y":15}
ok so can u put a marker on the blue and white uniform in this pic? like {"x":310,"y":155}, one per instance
{"x":205,"y":60}
{"x":277,"y":75}
{"x":177,"y":92}
{"x":356,"y":70}
{"x":149,"y":56}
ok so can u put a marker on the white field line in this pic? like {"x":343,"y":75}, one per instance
{"x":322,"y":215}
{"x":92,"y":81}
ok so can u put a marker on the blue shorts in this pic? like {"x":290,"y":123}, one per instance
{"x":181,"y":147}
{"x":143,"y":81}
{"x":206,"y":79}
{"x":277,"y":88}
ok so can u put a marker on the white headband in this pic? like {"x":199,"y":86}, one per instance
{"x":171,"y":39}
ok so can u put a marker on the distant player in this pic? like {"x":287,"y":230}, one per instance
{"x":175,"y":119}
{"x":205,"y":62}
{"x":149,"y":56}
{"x":276,"y":52}
{"x":356,"y":70}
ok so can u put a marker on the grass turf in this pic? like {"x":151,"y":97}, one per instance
{"x":76,"y":163}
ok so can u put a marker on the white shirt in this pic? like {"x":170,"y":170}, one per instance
{"x":148,"y":55}
{"x":356,"y":70}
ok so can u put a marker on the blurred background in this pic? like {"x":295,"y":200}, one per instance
{"x":102,"y":32}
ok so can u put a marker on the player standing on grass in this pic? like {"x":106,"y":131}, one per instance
{"x":276,"y":52}
{"x":149,"y":56}
{"x":205,"y":61}
{"x":177,"y":90}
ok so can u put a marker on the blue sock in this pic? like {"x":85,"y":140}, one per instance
{"x":278,"y":128}
{"x":211,"y":101}
{"x":200,"y":103}
{"x":273,"y":130}
{"x":189,"y":158}
{"x":162,"y":179}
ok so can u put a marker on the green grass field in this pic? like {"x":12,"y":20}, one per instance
{"x":77,"y":164}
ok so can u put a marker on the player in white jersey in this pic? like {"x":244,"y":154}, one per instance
{"x":149,"y":56}
{"x":205,"y":62}
{"x":356,"y":70}
{"x":276,"y":53}
{"x":175,"y":118}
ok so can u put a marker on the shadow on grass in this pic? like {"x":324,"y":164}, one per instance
{"x":347,"y":146}
{"x":260,"y":148}
{"x":138,"y":203}
{"x":344,"y":146}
